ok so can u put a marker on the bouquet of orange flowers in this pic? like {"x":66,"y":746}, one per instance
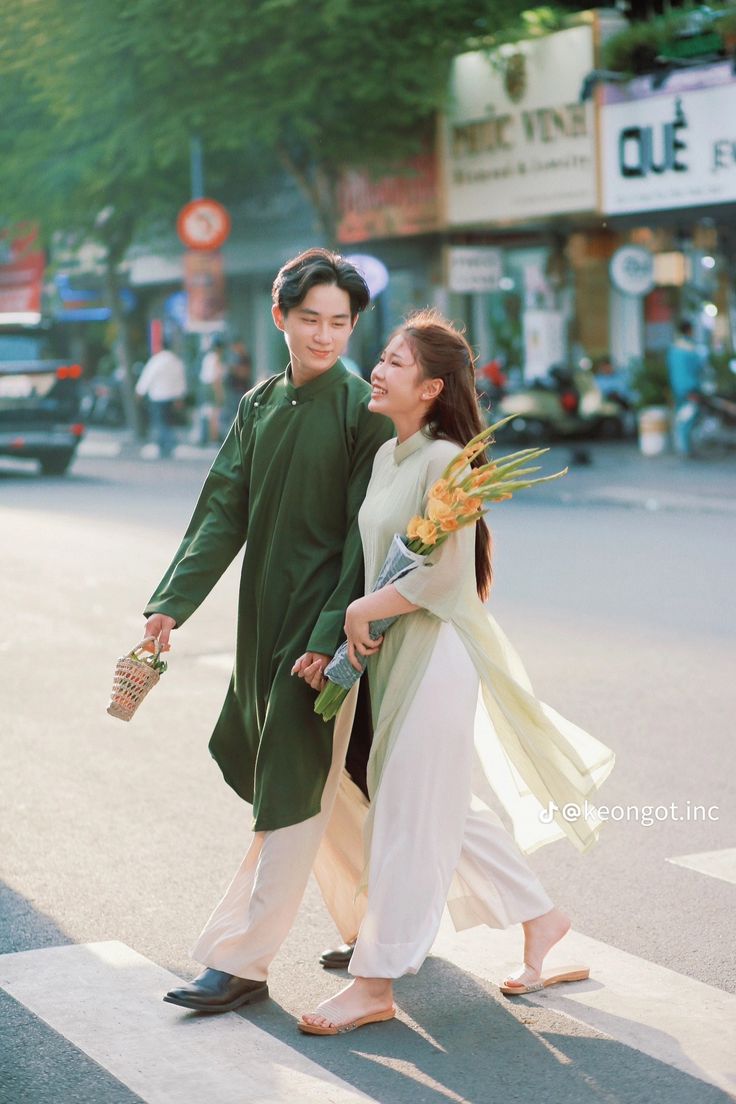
{"x":458,"y":498}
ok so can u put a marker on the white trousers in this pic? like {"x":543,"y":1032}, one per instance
{"x":256,"y":914}
{"x":427,"y":843}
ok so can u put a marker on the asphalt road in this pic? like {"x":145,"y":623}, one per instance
{"x":127,"y":832}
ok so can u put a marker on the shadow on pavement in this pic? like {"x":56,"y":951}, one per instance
{"x":37,"y":1065}
{"x":465,"y":1044}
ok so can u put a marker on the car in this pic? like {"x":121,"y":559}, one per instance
{"x":40,"y":398}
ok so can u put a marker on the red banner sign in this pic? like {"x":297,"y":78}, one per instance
{"x":204,"y":279}
{"x":390,"y":206}
{"x":21,"y":285}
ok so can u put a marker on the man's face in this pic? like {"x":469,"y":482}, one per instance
{"x":318,"y":330}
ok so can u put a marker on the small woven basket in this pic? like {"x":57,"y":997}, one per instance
{"x":134,"y":677}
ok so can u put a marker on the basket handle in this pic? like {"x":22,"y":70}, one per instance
{"x":150,"y":658}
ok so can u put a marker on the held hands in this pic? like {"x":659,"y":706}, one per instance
{"x":357,"y":631}
{"x":311,"y":667}
{"x":159,"y":626}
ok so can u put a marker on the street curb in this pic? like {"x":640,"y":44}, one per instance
{"x":652,"y":501}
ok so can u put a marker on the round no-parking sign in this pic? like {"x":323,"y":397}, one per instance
{"x":203,"y":224}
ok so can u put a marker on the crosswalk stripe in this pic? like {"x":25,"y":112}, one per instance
{"x":105,"y":999}
{"x":670,"y":1017}
{"x":94,"y":450}
{"x":717,"y":864}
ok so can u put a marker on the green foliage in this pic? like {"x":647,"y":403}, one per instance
{"x":725,"y":23}
{"x":723,"y":377}
{"x":637,"y":48}
{"x":100,"y":100}
{"x":532,"y":23}
{"x":650,"y":381}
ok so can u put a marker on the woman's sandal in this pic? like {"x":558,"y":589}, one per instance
{"x":554,"y":977}
{"x":317,"y":1029}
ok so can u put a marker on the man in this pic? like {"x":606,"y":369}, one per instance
{"x":685,"y":369}
{"x":163,"y":380}
{"x":212,"y":392}
{"x":290,"y":477}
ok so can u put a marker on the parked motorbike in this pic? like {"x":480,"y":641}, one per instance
{"x":565,"y":404}
{"x":716,"y":424}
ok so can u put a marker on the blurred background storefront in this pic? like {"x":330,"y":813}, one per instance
{"x":668,"y":169}
{"x":561,"y":220}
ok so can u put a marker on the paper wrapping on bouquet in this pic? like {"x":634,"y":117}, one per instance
{"x":399,"y":562}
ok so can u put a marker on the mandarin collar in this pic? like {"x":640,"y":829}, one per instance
{"x":411,"y":444}
{"x":314,"y":386}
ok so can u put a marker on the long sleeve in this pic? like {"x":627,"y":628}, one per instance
{"x":216,"y":532}
{"x":372,"y":431}
{"x":144,"y":381}
{"x":447,"y":574}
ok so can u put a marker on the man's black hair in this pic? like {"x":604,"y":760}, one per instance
{"x":686,"y":328}
{"x":318,"y":266}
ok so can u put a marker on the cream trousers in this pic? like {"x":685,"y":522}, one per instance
{"x":254,"y":917}
{"x":428,"y":845}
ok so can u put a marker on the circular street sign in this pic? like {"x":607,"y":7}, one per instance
{"x":632,"y":270}
{"x":373,"y":271}
{"x":203,"y":224}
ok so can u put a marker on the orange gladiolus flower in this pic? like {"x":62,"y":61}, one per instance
{"x":438,"y":509}
{"x":427,"y":532}
{"x":412,"y":528}
{"x":441,"y":489}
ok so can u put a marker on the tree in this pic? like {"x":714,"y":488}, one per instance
{"x":77,"y":157}
{"x":114,"y":92}
{"x":100,"y":101}
{"x":318,"y":85}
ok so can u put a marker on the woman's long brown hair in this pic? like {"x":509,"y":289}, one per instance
{"x":442,"y":352}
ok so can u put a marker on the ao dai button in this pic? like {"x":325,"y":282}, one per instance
{"x":293,"y":402}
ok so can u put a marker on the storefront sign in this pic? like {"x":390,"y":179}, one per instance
{"x":21,"y":286}
{"x":670,"y":147}
{"x":472,"y":269}
{"x":373,"y":271}
{"x":204,"y":280}
{"x":632,"y":270}
{"x":390,"y":206}
{"x":544,"y":342}
{"x":517,"y":141}
{"x":22,"y":266}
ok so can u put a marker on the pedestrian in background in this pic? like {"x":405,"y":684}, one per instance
{"x":685,"y":369}
{"x":163,"y":383}
{"x":212,"y":392}
{"x":238,"y":380}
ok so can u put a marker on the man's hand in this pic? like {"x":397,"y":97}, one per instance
{"x":159,"y":626}
{"x":357,"y":630}
{"x":311,"y":667}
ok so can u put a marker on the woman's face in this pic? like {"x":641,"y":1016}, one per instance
{"x":397,"y":383}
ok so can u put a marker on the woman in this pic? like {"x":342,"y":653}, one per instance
{"x":427,"y":840}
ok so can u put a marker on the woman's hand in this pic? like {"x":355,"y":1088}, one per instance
{"x":311,"y":667}
{"x":159,"y":626}
{"x":357,"y":631}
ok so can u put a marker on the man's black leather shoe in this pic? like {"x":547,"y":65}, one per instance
{"x":216,"y":991}
{"x":339,"y":958}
